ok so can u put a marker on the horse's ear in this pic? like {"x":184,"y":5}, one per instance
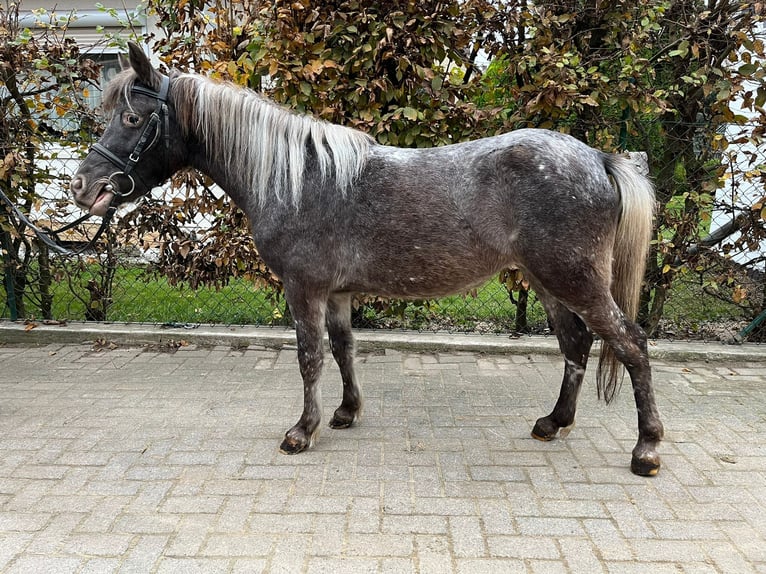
{"x":140,"y":63}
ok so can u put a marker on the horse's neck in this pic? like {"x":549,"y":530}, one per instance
{"x":215,"y":168}
{"x":260,"y":153}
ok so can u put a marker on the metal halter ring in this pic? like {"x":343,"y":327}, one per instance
{"x":112,"y":186}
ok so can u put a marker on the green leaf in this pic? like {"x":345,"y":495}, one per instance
{"x":747,"y":69}
{"x":410,"y":113}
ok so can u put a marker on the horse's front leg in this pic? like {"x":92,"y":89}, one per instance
{"x":308,"y":313}
{"x":342,"y":345}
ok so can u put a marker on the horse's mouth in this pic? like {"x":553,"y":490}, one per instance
{"x":102,"y":201}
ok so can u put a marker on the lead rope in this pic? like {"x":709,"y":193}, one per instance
{"x":50,"y":237}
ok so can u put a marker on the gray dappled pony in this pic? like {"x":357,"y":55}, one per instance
{"x":334,"y":214}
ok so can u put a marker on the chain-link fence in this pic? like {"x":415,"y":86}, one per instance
{"x":717,"y":296}
{"x":720,"y":292}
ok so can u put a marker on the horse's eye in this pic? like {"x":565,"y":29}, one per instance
{"x":131,"y":119}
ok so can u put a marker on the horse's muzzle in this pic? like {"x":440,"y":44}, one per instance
{"x":95,"y":198}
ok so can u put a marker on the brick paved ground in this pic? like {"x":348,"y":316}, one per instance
{"x":136,"y":460}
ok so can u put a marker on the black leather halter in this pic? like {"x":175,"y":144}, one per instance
{"x":156,"y":129}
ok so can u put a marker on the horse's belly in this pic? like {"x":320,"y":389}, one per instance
{"x":410,"y":276}
{"x":415,"y":288}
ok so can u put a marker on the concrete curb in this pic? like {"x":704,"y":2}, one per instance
{"x":367,"y":340}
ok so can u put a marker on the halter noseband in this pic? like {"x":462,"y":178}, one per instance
{"x":156,"y":127}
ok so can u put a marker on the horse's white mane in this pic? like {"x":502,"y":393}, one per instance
{"x":264,"y":146}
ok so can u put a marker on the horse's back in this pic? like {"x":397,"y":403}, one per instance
{"x":511,"y":191}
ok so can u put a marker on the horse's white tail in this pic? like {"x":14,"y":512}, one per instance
{"x":631,"y":248}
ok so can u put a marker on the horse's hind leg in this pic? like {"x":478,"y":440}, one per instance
{"x":575,"y":342}
{"x":342,"y":345}
{"x":592,"y":303}
{"x":308,"y":310}
{"x":628,"y":342}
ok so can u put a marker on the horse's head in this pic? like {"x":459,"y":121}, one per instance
{"x":141,"y":146}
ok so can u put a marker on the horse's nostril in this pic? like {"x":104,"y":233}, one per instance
{"x":77,"y":184}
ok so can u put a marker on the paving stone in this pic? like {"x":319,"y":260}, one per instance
{"x":45,"y":565}
{"x":101,"y":544}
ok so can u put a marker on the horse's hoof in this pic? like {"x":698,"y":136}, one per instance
{"x":537,"y":436}
{"x":341,"y":420}
{"x":544,"y":430}
{"x":292,"y":446}
{"x":645,"y":467}
{"x":339,"y":423}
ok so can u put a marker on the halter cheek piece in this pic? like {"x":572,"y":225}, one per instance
{"x":156,"y":128}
